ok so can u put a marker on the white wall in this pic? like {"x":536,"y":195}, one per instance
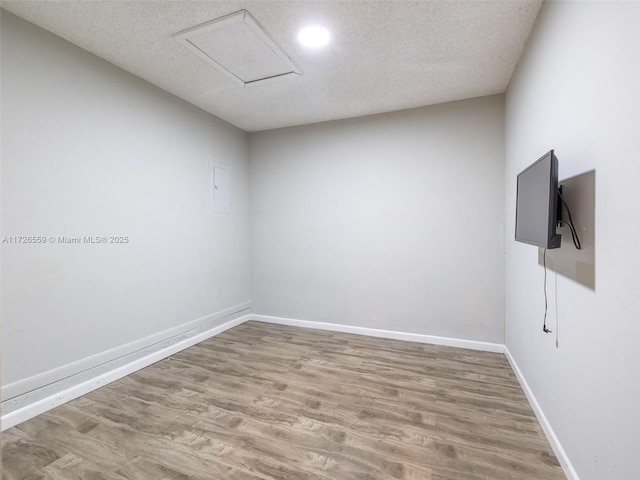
{"x":391,"y":221}
{"x":577,"y":89}
{"x":88,"y":149}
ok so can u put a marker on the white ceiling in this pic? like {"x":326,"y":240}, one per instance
{"x":384,"y":56}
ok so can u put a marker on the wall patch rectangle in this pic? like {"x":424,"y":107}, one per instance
{"x":220,"y":187}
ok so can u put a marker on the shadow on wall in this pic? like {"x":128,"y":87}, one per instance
{"x":579,"y":265}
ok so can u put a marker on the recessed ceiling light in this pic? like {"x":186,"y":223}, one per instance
{"x":314,"y":36}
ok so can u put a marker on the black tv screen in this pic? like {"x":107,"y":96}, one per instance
{"x":537,"y":203}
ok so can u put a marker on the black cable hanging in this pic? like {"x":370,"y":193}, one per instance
{"x":574,"y":233}
{"x":544,"y":263}
{"x":578,"y":245}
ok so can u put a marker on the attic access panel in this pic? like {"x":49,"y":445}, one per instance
{"x":238,"y":47}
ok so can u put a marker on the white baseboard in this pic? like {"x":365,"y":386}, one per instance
{"x":28,"y":384}
{"x":45,"y":396}
{"x":451,"y":342}
{"x":374,"y":332}
{"x":561,"y":455}
{"x":33,"y":403}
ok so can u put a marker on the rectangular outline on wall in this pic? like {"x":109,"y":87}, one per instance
{"x":213,"y":206}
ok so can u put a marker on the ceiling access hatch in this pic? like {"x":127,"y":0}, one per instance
{"x":238,"y":47}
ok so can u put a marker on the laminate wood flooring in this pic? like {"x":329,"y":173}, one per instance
{"x":270,"y":402}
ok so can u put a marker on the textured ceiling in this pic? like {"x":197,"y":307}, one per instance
{"x":384,"y":56}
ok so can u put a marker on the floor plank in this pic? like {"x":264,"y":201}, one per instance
{"x":271,"y":402}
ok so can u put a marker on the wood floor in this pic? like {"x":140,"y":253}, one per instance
{"x":264,"y":401}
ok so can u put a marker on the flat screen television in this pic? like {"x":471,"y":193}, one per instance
{"x":537,"y":203}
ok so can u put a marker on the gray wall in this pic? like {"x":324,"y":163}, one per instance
{"x":391,"y":221}
{"x":88,"y":149}
{"x":577,"y":89}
